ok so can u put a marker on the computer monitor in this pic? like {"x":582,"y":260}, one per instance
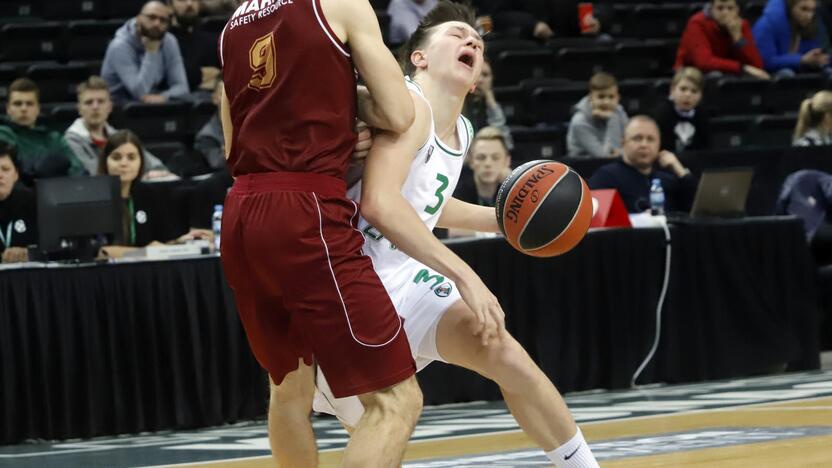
{"x":722,"y":192}
{"x":77,"y":215}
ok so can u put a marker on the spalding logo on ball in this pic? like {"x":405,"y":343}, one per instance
{"x":544,"y":208}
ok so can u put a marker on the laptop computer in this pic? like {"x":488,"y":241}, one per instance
{"x":722,"y":193}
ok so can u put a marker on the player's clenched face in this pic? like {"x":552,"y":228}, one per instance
{"x":454,"y":51}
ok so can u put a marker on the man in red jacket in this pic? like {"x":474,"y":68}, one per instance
{"x":717,"y":39}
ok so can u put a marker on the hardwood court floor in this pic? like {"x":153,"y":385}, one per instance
{"x":781,"y":420}
{"x":795,"y":452}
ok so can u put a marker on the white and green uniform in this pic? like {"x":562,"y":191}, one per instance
{"x":420,"y":295}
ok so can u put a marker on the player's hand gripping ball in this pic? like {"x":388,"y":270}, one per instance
{"x":544,"y":208}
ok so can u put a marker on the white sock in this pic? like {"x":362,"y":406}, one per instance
{"x":573,"y":454}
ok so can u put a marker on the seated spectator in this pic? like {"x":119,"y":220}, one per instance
{"x":786,"y":36}
{"x":632,"y":173}
{"x":814,"y":124}
{"x":210,"y":141}
{"x":718,"y":40}
{"x":405,"y":16}
{"x":490,"y":162}
{"x":683,"y":126}
{"x":540,"y":19}
{"x":143,"y":61}
{"x":143,"y":213}
{"x":482,"y":108}
{"x":597,"y":126}
{"x":196,"y":45}
{"x":88,"y":134}
{"x":41,"y":152}
{"x":18,"y":210}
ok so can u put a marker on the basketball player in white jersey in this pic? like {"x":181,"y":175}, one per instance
{"x":406,"y":192}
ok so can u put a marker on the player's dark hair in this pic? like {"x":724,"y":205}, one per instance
{"x":444,"y":12}
{"x":9,"y":150}
{"x":117,"y":139}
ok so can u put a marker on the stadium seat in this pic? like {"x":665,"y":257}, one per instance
{"x":200,"y":114}
{"x":124,"y":8}
{"x":553,"y":104}
{"x":774,"y":131}
{"x":31,"y":41}
{"x":658,"y":20}
{"x":57,"y":82}
{"x":155,"y":122}
{"x":58,"y":117}
{"x":93,"y":66}
{"x":166,"y":151}
{"x":8,"y":73}
{"x":538,"y":143}
{"x":88,"y":39}
{"x":731,"y":131}
{"x":214,"y":24}
{"x":786,"y":93}
{"x":738,"y":96}
{"x":511,"y":100}
{"x":75,"y":9}
{"x":512,"y":66}
{"x":579,"y":63}
{"x":19,"y":10}
{"x":637,"y":96}
{"x":638,"y":60}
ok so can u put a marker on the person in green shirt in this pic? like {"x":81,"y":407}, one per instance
{"x":42,"y":152}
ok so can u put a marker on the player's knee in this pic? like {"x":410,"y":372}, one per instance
{"x":510,"y":364}
{"x":402,"y":401}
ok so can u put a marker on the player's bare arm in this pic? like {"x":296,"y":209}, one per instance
{"x":387,"y":105}
{"x":458,"y":214}
{"x":383,"y":206}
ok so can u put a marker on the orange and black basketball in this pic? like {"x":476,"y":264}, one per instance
{"x":544,"y":208}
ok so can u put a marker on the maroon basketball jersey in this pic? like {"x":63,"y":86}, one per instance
{"x":291,"y":85}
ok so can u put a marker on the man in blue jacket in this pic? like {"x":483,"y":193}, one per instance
{"x":143,"y":62}
{"x":787,"y":37}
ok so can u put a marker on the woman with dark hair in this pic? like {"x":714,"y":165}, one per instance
{"x":143,"y":222}
{"x":787,"y":37}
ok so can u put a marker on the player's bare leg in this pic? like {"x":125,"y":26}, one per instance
{"x":532,"y":398}
{"x":290,"y":427}
{"x":380,"y":437}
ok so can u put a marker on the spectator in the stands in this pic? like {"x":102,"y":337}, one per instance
{"x":490,"y":163}
{"x":143,"y":61}
{"x":41,"y":152}
{"x":541,"y":19}
{"x":209,"y":143}
{"x":482,"y":108}
{"x":814,"y":124}
{"x":88,"y":134}
{"x":642,"y":162}
{"x":405,"y":16}
{"x":718,"y":40}
{"x":683,"y":126}
{"x":787,"y":37}
{"x":18,"y":210}
{"x":597,"y":126}
{"x":143,"y":220}
{"x":196,"y":44}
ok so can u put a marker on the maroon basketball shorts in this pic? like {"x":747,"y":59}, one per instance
{"x":304,"y":289}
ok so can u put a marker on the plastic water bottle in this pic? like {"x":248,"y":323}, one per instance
{"x":656,"y":198}
{"x":216,"y":225}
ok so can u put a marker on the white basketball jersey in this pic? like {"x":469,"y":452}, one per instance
{"x":433,"y":176}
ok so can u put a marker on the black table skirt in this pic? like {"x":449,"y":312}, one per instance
{"x":125,"y":348}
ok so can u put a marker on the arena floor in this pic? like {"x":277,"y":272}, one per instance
{"x":783,"y":420}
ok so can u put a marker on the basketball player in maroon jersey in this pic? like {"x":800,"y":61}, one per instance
{"x":290,"y":252}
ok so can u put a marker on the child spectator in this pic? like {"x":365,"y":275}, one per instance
{"x":786,"y":36}
{"x":682,"y":125}
{"x":597,"y":126}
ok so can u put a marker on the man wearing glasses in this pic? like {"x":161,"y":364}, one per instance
{"x":143,"y":61}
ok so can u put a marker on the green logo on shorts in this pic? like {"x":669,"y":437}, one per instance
{"x":443,"y":290}
{"x":425,"y":277}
